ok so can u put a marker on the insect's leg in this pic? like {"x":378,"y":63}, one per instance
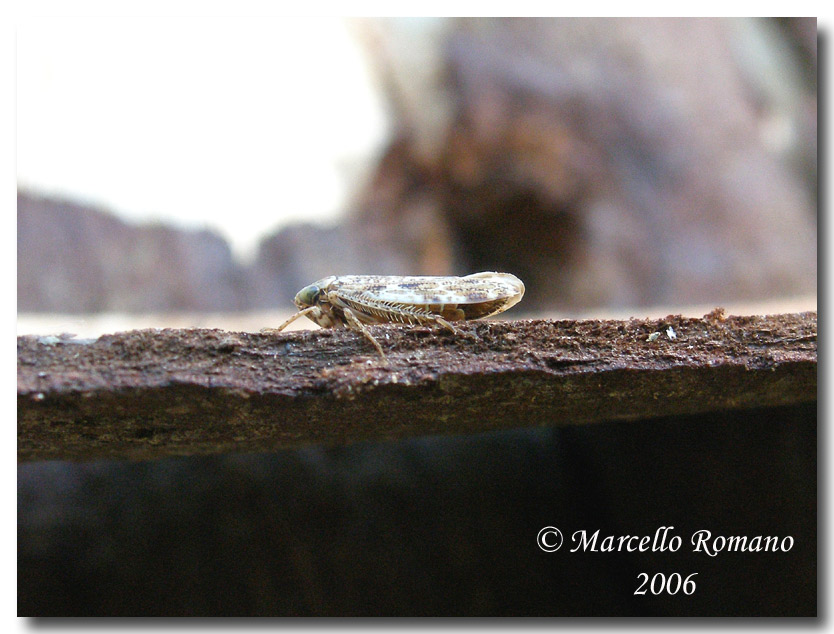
{"x":445,"y":323}
{"x":300,"y":313}
{"x":354,"y":324}
{"x":455,"y":330}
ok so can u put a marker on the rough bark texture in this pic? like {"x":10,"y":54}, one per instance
{"x":149,"y":394}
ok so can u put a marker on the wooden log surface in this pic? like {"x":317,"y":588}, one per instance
{"x":152,"y":393}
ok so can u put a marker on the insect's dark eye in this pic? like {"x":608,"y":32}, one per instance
{"x":308,"y":295}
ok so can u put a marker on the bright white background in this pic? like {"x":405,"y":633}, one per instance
{"x":237,"y":124}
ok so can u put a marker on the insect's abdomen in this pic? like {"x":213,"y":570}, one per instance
{"x":372,"y":311}
{"x":375,"y":312}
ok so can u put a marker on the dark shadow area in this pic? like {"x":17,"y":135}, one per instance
{"x":435,"y":525}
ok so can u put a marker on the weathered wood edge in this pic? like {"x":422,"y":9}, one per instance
{"x":155,"y":393}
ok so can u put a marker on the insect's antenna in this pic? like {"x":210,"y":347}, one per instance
{"x":300,"y":313}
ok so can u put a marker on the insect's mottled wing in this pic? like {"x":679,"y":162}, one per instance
{"x":454,"y":298}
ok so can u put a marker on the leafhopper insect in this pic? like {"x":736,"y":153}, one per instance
{"x":351,"y":301}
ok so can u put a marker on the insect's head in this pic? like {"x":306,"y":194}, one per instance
{"x":311,"y":295}
{"x":307,"y":296}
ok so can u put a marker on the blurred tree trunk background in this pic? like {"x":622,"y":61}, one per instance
{"x":607,"y":162}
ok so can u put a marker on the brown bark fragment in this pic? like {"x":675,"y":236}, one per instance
{"x":147,"y":394}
